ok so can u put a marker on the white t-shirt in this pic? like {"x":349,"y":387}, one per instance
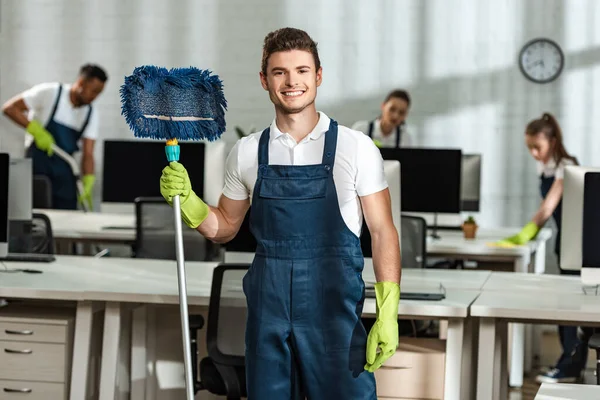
{"x":386,"y":141}
{"x":358,"y":169}
{"x":551,"y":169}
{"x":40,"y":100}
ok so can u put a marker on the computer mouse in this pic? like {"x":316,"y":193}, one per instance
{"x":31,"y":271}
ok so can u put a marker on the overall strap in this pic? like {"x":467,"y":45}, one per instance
{"x":371,"y":125}
{"x":398,"y":134}
{"x":263,"y":148}
{"x":330,"y":144}
{"x":56,"y":103}
{"x":87,"y":120}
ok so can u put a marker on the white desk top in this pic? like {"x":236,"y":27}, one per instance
{"x":155,"y":281}
{"x":563,"y":391}
{"x":93,"y":226}
{"x":430,"y":279}
{"x":453,"y":242}
{"x":518,"y":281}
{"x":537,"y":306}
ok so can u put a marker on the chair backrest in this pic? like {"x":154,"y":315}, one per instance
{"x":225,"y":337}
{"x":155,"y":232}
{"x":413,"y":242}
{"x":42,"y":239}
{"x":42,"y":192}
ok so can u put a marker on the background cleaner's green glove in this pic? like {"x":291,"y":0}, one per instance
{"x":88,"y":185}
{"x":175,"y":181}
{"x":42,"y":138}
{"x":528,"y":232}
{"x":384,"y":333}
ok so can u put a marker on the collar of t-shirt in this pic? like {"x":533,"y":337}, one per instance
{"x":318,"y":131}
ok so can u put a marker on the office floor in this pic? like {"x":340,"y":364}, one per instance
{"x":551,"y":353}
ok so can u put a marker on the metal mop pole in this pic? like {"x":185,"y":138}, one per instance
{"x":183,"y":307}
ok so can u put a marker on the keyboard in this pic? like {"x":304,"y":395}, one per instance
{"x":370,"y":293}
{"x":29,"y":257}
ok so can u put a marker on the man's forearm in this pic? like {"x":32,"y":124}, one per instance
{"x":87,"y":165}
{"x":16,"y":115}
{"x":217,"y":227}
{"x":386,"y":255}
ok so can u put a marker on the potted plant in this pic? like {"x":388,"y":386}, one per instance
{"x":469,"y":228}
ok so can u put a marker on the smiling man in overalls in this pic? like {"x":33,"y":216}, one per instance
{"x":53,"y":113}
{"x":309,"y":181}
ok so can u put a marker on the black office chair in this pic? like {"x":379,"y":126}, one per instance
{"x":591,"y":338}
{"x":223,"y":372}
{"x":42,"y":239}
{"x":42,"y":192}
{"x":155,"y":233}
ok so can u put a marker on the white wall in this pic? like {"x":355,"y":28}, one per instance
{"x":458,"y":58}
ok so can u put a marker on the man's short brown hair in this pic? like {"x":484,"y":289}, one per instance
{"x":286,"y":39}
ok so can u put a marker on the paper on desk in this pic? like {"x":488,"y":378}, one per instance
{"x":504,"y":245}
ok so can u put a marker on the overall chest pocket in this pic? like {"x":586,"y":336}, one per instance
{"x":296,"y":189}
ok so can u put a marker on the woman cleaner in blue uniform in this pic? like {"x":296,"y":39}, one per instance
{"x":544,"y":140}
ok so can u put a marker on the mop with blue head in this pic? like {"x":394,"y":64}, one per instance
{"x":172,"y":105}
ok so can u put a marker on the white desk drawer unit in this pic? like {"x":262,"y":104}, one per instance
{"x":35,"y":352}
{"x":416,"y":371}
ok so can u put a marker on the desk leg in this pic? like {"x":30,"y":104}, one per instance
{"x":138,"y":354}
{"x":81,"y":350}
{"x":539,"y":262}
{"x":485,"y":359}
{"x":500,"y":360}
{"x":110,"y":351}
{"x":517,"y":360}
{"x":468,"y":361}
{"x":454,"y":358}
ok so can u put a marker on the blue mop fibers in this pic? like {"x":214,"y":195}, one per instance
{"x":174,"y":94}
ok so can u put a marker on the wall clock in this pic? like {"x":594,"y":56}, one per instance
{"x":541,"y":60}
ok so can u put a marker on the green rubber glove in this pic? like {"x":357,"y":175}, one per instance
{"x":42,"y":138}
{"x":529,"y":231}
{"x":175,"y":181}
{"x":378,"y":143}
{"x":384,"y":334}
{"x":88,"y":185}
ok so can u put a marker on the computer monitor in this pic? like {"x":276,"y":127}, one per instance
{"x":4,"y":186}
{"x":470,"y":182}
{"x":580,"y":227}
{"x":132,"y":168}
{"x":241,"y":248}
{"x":430,"y":178}
{"x":20,"y":204}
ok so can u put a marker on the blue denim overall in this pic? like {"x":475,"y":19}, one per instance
{"x":305,"y":293}
{"x":574,"y":356}
{"x":64,"y":191}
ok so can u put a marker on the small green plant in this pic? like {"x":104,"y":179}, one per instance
{"x":470,"y":220}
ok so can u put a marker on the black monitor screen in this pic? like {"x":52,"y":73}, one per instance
{"x":133,"y":168}
{"x":590,"y":255}
{"x":4,"y":174}
{"x":430,"y":178}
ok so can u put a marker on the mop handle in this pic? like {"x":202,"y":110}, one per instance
{"x":74,"y":167}
{"x":172,"y":151}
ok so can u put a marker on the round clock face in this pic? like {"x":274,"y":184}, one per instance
{"x":541,"y":60}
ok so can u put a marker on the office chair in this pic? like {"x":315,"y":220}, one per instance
{"x":42,"y":192}
{"x":223,"y":371}
{"x":155,"y":233}
{"x":42,"y":239}
{"x":591,"y":338}
{"x":413,"y":241}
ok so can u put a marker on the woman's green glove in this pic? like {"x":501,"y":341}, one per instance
{"x":175,"y":181}
{"x":384,"y":334}
{"x":528,"y":232}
